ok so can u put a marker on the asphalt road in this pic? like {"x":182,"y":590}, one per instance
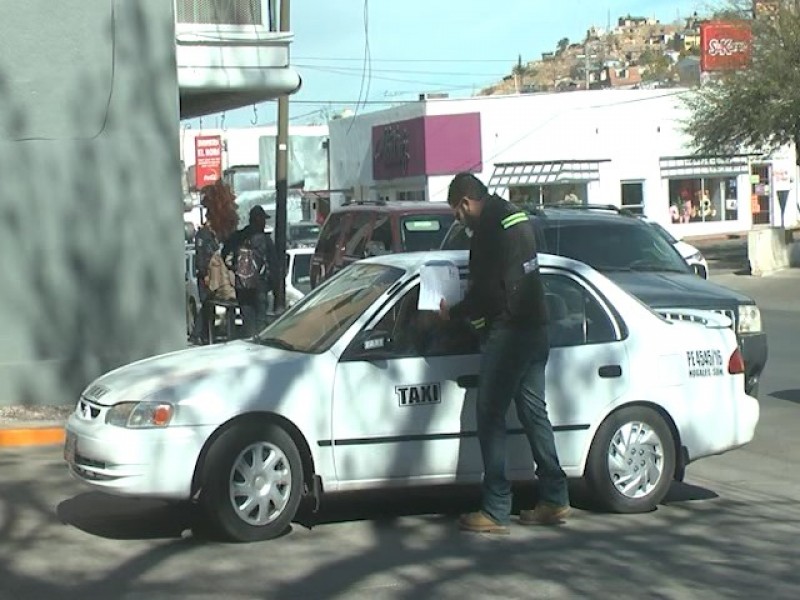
{"x":730,"y":531}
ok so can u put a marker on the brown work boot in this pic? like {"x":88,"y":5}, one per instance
{"x":480,"y":522}
{"x":545,"y":513}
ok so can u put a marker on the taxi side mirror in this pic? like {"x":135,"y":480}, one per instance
{"x":367,"y":345}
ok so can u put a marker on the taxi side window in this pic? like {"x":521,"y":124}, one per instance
{"x":576,"y":317}
{"x":416,"y":332}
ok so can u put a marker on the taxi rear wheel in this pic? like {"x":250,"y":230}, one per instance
{"x":632,"y":460}
{"x":252,"y":483}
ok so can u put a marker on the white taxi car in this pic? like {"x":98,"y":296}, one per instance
{"x":355,"y":388}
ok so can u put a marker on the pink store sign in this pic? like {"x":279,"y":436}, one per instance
{"x":432,"y":145}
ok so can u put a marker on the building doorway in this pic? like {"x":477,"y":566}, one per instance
{"x":760,"y":193}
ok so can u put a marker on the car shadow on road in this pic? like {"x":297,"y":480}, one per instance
{"x":118,"y":518}
{"x":788,"y":395}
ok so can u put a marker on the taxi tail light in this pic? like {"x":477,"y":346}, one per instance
{"x":736,"y":363}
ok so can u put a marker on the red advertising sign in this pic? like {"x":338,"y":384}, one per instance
{"x":725,"y":45}
{"x":207,"y":159}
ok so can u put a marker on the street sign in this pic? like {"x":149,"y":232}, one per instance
{"x":208,"y":159}
{"x":725,"y":45}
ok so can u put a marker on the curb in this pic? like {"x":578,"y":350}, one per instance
{"x":32,"y":436}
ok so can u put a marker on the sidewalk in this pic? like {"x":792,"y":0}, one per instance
{"x":32,"y":426}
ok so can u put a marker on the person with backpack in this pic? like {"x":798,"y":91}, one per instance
{"x":221,"y":220}
{"x":254,"y":262}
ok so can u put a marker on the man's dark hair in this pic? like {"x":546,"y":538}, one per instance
{"x":466,"y":184}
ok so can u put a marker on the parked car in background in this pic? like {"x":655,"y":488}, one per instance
{"x":302,"y":234}
{"x":192,"y":293}
{"x":693,"y":257}
{"x":641,"y":261}
{"x":298,"y":274}
{"x":359,"y":230}
{"x":355,"y":388}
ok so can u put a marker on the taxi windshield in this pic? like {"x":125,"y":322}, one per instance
{"x":315,"y":323}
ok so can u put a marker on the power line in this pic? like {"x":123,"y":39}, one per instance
{"x":338,"y":71}
{"x":409,"y":60}
{"x":401,"y":71}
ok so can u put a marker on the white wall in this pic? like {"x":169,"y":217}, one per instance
{"x":351,"y":144}
{"x":631,"y":129}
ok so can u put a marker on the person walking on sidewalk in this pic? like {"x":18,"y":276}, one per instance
{"x":505,"y":303}
{"x":255,"y":267}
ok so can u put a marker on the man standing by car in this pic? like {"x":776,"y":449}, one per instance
{"x":505,"y":303}
{"x":254,"y":263}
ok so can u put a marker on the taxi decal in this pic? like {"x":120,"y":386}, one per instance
{"x":415,"y":395}
{"x":705,"y":363}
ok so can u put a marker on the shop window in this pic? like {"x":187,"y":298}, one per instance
{"x":633,"y":196}
{"x":703,"y":200}
{"x":550,"y":194}
{"x":760,"y":194}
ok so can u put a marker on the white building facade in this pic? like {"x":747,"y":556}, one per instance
{"x":612,"y":147}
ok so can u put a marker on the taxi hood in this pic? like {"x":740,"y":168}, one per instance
{"x":138,"y":380}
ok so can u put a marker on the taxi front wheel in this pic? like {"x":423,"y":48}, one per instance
{"x":632,"y":460}
{"x":252,"y":482}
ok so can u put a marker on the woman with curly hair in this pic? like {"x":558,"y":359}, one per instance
{"x":221,"y":221}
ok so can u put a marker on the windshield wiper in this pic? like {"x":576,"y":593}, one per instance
{"x":274,"y":342}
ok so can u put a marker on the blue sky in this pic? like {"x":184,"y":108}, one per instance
{"x":455,"y":46}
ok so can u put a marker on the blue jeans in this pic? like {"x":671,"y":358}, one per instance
{"x":513,"y":368}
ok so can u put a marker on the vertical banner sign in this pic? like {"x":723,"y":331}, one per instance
{"x":725,"y":45}
{"x":207,"y":159}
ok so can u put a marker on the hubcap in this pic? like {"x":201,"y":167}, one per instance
{"x":635,"y":459}
{"x":260,"y":483}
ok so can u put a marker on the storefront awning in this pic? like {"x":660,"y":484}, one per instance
{"x":673,"y":167}
{"x":545,"y":172}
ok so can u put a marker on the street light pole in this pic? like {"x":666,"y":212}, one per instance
{"x":281,"y":180}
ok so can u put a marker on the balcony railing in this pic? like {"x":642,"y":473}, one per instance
{"x":261,"y":13}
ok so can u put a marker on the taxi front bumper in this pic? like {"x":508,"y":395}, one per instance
{"x":157,"y":463}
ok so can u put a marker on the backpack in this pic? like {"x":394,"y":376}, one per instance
{"x":247,"y":268}
{"x":219,"y":279}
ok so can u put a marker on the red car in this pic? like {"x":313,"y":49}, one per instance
{"x":358,"y":230}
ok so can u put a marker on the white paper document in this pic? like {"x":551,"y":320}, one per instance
{"x":439,"y":279}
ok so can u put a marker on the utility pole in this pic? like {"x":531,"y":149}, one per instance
{"x":281,"y":180}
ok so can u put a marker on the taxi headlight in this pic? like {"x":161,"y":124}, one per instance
{"x":140,"y":415}
{"x":749,"y":319}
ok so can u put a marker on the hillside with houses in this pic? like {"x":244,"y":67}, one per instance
{"x":639,"y":52}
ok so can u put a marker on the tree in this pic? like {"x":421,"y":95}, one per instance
{"x":656,"y":65}
{"x":562,"y":45}
{"x":757,"y":108}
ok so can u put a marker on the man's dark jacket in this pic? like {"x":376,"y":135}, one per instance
{"x":505,"y":286}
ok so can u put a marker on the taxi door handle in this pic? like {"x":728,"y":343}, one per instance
{"x":467,"y":381}
{"x":609,"y":371}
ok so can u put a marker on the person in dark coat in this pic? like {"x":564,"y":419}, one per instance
{"x":505,"y":304}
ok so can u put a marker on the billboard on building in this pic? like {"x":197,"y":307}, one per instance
{"x":207,"y":159}
{"x":430,"y":145}
{"x":725,"y":45}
